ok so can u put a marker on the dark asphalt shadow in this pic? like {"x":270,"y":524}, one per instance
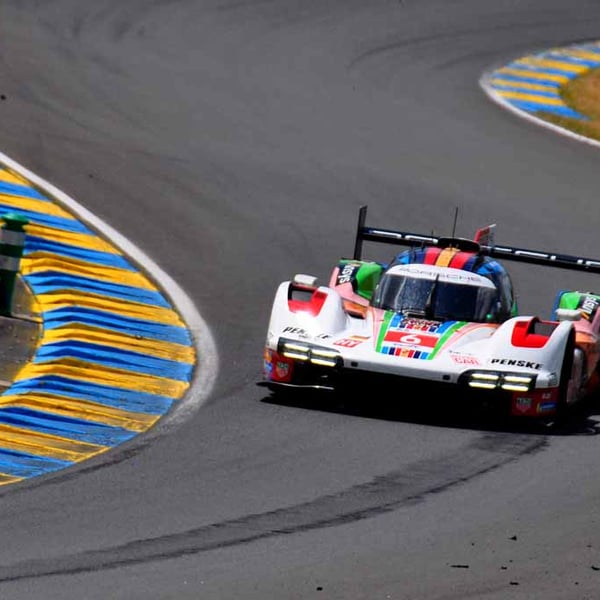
{"x":451,"y":410}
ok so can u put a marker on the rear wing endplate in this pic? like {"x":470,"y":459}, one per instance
{"x":523,"y":255}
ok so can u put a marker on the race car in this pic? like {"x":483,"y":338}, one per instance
{"x":444,"y":312}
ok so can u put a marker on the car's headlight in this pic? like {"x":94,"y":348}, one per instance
{"x":518,"y":383}
{"x":294,"y":350}
{"x":511,"y":382}
{"x":306,"y":352}
{"x":484,"y":380}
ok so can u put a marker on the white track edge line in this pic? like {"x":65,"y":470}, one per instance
{"x":484,"y":82}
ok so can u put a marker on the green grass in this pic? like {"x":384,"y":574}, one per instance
{"x":583,"y":95}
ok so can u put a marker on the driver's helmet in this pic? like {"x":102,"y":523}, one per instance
{"x":437,"y":293}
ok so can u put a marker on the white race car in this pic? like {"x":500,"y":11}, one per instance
{"x":442,"y":312}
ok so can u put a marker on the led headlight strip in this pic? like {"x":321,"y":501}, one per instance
{"x":304,"y":352}
{"x":511,"y":382}
{"x":113,"y":355}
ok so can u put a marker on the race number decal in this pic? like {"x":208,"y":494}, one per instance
{"x":411,"y":339}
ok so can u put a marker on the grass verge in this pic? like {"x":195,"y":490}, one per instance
{"x":583,"y":95}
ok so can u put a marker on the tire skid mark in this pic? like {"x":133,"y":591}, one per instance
{"x":382,"y":494}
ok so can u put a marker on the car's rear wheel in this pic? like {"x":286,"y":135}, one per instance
{"x":572,"y":378}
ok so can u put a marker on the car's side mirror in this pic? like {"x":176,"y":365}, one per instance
{"x":568,"y":314}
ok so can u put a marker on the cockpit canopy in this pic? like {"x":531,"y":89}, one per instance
{"x":437,"y":293}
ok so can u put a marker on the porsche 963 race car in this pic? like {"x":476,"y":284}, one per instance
{"x":442,"y":311}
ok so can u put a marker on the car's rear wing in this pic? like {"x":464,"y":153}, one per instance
{"x":524,"y":255}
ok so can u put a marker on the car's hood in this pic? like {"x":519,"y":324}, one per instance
{"x":397,"y":335}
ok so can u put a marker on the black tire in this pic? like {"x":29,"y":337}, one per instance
{"x":562,"y":407}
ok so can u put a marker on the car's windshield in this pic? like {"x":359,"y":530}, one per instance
{"x":434,"y":298}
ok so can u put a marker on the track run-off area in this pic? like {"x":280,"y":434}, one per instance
{"x":229,"y":145}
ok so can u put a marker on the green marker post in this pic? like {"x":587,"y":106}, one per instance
{"x":12,"y":242}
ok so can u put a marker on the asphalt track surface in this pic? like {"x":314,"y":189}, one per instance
{"x":233,"y":142}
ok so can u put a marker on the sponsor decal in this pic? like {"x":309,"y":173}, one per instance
{"x":296,"y":331}
{"x":346,"y":275}
{"x":412,"y":337}
{"x":304,"y":334}
{"x":350,"y":342}
{"x":276,"y":367}
{"x":463,"y":359}
{"x":462,"y":276}
{"x":268,"y":363}
{"x":282,"y":369}
{"x":513,"y":362}
{"x":268,"y":369}
{"x":523,"y":404}
{"x":588,"y":305}
{"x":419,"y":325}
{"x":347,"y":343}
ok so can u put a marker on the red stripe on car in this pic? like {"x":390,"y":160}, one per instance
{"x":431,"y":255}
{"x":524,"y":336}
{"x":312,"y":307}
{"x":460,"y":259}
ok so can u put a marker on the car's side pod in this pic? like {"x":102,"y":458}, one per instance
{"x":533,"y":333}
{"x":532,"y":341}
{"x":300,"y":308}
{"x":305,"y":297}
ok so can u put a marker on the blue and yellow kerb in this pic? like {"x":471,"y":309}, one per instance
{"x":113,"y":355}
{"x":533,"y":83}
